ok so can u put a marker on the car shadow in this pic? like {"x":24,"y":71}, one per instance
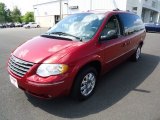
{"x":113,"y":87}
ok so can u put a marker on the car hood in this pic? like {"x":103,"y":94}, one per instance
{"x":39,"y":49}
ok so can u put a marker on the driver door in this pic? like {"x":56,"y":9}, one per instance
{"x":112,"y":47}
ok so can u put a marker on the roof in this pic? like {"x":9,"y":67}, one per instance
{"x":109,"y":10}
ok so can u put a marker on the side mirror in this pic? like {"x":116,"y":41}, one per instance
{"x":110,"y":35}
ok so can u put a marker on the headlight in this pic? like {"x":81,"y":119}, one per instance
{"x":46,"y":70}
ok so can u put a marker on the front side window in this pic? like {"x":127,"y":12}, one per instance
{"x":81,"y":25}
{"x":111,"y":29}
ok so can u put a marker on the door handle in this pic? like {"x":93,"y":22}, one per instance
{"x":124,"y":44}
{"x":129,"y":42}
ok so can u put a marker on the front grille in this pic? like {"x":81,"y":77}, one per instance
{"x":18,"y":66}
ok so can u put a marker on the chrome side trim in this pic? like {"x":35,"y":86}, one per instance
{"x":119,"y":56}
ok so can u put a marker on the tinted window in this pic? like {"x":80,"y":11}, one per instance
{"x":132,"y":23}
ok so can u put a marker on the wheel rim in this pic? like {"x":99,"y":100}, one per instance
{"x":138,"y":53}
{"x":88,"y":84}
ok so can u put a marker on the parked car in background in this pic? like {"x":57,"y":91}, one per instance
{"x":18,"y":24}
{"x":31,"y":25}
{"x":24,"y":24}
{"x":10,"y":25}
{"x":70,"y":57}
{"x":3,"y":25}
{"x":152,"y":27}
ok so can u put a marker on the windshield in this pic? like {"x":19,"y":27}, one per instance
{"x":81,"y":25}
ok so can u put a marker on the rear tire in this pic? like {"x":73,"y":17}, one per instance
{"x":85,"y":83}
{"x":135,"y":57}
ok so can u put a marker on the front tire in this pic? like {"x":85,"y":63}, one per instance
{"x":85,"y":83}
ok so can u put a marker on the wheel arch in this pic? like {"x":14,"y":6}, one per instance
{"x":141,"y":43}
{"x":95,"y":63}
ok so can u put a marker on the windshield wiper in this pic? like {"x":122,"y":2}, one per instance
{"x":55,"y":37}
{"x":65,"y":34}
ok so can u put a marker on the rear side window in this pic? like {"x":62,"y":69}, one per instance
{"x":132,"y":23}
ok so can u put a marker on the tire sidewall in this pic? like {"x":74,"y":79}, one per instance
{"x":76,"y":92}
{"x":139,"y":48}
{"x":133,"y":57}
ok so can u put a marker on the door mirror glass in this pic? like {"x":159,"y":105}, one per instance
{"x":110,"y":35}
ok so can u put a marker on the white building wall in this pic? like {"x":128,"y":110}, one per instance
{"x":149,"y":4}
{"x":159,"y":12}
{"x":45,"y":10}
{"x":152,"y":10}
{"x":109,"y":4}
{"x":85,"y":5}
{"x":147,"y":16}
{"x":131,"y":4}
{"x":147,"y":9}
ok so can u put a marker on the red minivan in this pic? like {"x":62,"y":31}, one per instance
{"x":69,"y":58}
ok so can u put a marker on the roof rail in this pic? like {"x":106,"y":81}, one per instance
{"x":100,"y":10}
{"x":117,"y":9}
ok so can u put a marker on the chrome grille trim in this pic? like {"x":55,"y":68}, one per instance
{"x":18,"y":66}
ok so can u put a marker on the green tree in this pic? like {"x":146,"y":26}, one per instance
{"x":8,"y":16}
{"x":22,"y":18}
{"x":16,"y":14}
{"x":3,"y":13}
{"x":28,"y":17}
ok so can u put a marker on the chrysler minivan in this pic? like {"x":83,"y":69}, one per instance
{"x":69,"y":58}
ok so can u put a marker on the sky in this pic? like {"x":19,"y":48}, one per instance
{"x":23,"y":5}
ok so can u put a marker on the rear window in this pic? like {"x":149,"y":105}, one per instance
{"x":132,"y":23}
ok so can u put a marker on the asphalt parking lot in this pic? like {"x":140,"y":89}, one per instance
{"x":131,"y":91}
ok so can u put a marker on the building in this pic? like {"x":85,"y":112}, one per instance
{"x":150,"y":11}
{"x":49,"y":12}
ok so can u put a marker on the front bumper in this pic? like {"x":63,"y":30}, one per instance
{"x":60,"y":86}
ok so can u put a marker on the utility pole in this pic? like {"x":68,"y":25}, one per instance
{"x":60,"y":7}
{"x":90,"y":4}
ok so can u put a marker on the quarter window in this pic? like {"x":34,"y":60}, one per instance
{"x":132,"y":23}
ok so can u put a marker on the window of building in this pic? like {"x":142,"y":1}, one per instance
{"x":57,"y":18}
{"x":153,"y":4}
{"x":134,"y":9}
